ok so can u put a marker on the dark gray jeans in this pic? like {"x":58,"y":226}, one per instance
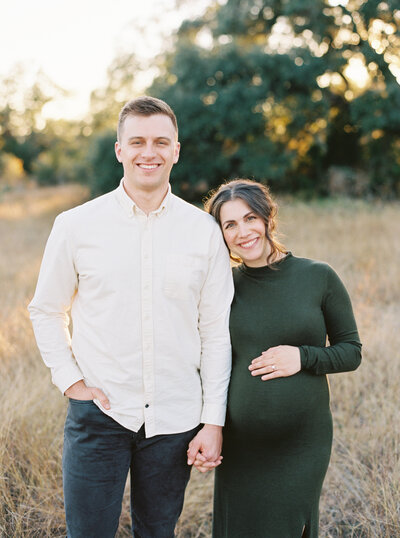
{"x":98,"y":454}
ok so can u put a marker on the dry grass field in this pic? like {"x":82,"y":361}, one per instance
{"x":361,"y":495}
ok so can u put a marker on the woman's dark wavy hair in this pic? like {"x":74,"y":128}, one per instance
{"x":258,"y":198}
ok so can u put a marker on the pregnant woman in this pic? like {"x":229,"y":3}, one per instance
{"x":278,"y":435}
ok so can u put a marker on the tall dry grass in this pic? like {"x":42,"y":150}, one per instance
{"x":361,"y":495}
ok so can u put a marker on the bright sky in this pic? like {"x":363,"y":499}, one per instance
{"x":74,"y":41}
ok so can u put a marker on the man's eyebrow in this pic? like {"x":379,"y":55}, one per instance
{"x":138,"y":137}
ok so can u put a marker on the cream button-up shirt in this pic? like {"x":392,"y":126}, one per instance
{"x":149,"y":297}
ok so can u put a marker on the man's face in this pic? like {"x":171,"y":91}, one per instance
{"x":147,"y":149}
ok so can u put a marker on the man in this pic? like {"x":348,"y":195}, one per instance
{"x":148,"y":282}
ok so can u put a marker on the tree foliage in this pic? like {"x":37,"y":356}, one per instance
{"x":303,"y":94}
{"x":104,"y":171}
{"x":22,"y":131}
{"x":286,"y":91}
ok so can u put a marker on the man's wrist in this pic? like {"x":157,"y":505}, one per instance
{"x":214,"y":427}
{"x":77,"y":387}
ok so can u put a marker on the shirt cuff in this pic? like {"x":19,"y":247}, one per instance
{"x":213,"y":414}
{"x":63,"y":378}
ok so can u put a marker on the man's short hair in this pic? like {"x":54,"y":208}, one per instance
{"x":145,"y":106}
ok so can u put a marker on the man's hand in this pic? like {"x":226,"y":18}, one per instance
{"x":204,"y":450}
{"x":79,"y":391}
{"x":279,"y":361}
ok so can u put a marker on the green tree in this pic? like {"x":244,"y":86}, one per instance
{"x":104,"y":171}
{"x":23,"y":130}
{"x":285,"y":90}
{"x":64,"y":159}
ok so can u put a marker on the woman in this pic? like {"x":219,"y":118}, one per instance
{"x":278,"y":435}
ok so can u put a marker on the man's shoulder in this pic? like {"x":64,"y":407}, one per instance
{"x":95,"y":207}
{"x":192,"y":212}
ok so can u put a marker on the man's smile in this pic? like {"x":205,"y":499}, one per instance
{"x":148,"y":166}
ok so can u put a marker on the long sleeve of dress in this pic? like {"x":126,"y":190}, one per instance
{"x":344,"y":352}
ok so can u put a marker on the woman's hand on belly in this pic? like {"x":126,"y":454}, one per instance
{"x":279,"y":361}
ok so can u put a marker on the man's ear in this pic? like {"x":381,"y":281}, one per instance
{"x":117,"y":148}
{"x":177,"y":150}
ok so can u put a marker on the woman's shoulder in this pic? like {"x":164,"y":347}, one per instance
{"x":317,"y":270}
{"x":289,"y":267}
{"x":310,"y":264}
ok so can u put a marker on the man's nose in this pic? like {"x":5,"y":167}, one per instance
{"x":148,"y":151}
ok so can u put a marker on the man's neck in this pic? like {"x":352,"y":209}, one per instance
{"x":147,"y":201}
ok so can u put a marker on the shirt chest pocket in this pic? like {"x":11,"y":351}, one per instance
{"x":183,"y":276}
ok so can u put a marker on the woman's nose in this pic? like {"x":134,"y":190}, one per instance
{"x":242,"y":229}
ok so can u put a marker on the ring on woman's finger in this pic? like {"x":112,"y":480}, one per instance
{"x":273,"y":367}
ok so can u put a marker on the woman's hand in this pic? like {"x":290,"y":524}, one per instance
{"x":204,"y":450}
{"x":279,"y":361}
{"x":203,"y":465}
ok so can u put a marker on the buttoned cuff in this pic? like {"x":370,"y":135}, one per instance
{"x":213,"y":414}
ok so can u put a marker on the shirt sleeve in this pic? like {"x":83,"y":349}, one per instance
{"x":344,"y":351}
{"x":56,"y":287}
{"x":214,"y":309}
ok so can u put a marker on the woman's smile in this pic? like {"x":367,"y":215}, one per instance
{"x":244,"y":233}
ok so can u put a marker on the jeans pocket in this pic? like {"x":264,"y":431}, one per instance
{"x":81,"y":413}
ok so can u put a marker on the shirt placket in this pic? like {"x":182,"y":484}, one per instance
{"x":147,"y":322}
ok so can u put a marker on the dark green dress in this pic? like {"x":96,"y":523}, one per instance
{"x":278,"y":435}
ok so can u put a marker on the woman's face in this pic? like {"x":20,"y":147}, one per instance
{"x":244,"y":233}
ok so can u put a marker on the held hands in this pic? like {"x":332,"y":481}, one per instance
{"x":279,"y":361}
{"x":79,"y":391}
{"x":204,"y":450}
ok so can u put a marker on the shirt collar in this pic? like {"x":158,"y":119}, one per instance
{"x":131,"y":208}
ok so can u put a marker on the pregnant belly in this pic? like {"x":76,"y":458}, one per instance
{"x":278,"y":407}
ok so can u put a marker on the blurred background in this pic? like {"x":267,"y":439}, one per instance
{"x":304,"y":94}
